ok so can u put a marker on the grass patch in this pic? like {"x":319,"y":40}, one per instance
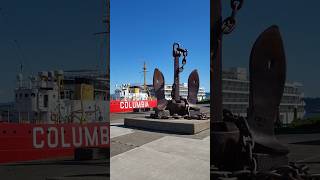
{"x":204,"y":102}
{"x":307,"y":125}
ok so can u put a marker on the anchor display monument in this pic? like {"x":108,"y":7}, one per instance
{"x":178,"y":115}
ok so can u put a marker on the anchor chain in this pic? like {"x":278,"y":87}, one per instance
{"x":292,"y":171}
{"x":247,"y":142}
{"x":229,"y":24}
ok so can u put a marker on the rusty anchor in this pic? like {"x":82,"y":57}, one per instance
{"x":251,"y":140}
{"x":245,"y":148}
{"x":267,"y":79}
{"x":178,"y":106}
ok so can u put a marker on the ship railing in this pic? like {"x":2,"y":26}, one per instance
{"x":16,"y":117}
{"x":133,"y":99}
{"x":54,"y":118}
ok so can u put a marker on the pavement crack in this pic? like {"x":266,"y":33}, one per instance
{"x":126,"y":144}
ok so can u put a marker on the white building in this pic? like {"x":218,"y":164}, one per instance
{"x":183,"y":92}
{"x":235,"y":90}
{"x":136,"y":92}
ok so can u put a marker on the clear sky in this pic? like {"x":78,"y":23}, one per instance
{"x":59,"y":35}
{"x":51,"y":35}
{"x":299,"y":25}
{"x":144,"y":30}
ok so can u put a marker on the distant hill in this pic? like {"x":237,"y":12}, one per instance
{"x":312,"y":107}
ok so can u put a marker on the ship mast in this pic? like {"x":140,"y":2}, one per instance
{"x":105,"y":35}
{"x":105,"y":38}
{"x":144,"y":76}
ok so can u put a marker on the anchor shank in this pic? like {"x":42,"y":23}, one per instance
{"x":176,"y":95}
{"x":216,"y":61}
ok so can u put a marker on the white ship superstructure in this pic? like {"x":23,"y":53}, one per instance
{"x":60,"y":97}
{"x":235,"y":90}
{"x":137,"y":92}
{"x":130,"y":93}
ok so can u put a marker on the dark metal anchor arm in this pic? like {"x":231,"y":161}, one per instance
{"x":173,"y":91}
{"x":184,"y":60}
{"x":175,"y":52}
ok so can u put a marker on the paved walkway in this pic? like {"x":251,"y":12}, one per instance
{"x":141,"y":155}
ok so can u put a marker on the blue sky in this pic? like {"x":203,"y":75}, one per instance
{"x":144,"y":30}
{"x":52,"y":35}
{"x":299,"y":26}
{"x":59,"y":35}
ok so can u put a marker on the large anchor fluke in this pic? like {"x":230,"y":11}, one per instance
{"x":158,"y":84}
{"x":267,"y":79}
{"x":193,"y":87}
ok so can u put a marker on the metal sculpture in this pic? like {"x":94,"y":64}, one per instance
{"x":177,"y":107}
{"x":246,"y":148}
{"x":267,"y":78}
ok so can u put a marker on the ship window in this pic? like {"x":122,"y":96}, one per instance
{"x":26,"y":95}
{"x":16,"y":95}
{"x":20,"y":95}
{"x":33,"y":95}
{"x":62,"y":95}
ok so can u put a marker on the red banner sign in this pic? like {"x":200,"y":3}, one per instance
{"x":129,"y":106}
{"x":23,"y":142}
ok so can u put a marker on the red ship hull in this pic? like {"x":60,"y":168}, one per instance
{"x":130,"y":106}
{"x":25,"y":142}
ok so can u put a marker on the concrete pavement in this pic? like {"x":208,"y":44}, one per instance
{"x":139,"y":154}
{"x":168,"y":158}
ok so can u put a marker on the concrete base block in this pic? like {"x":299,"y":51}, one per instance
{"x":179,"y":126}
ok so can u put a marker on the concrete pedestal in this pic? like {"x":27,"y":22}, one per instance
{"x":179,"y":126}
